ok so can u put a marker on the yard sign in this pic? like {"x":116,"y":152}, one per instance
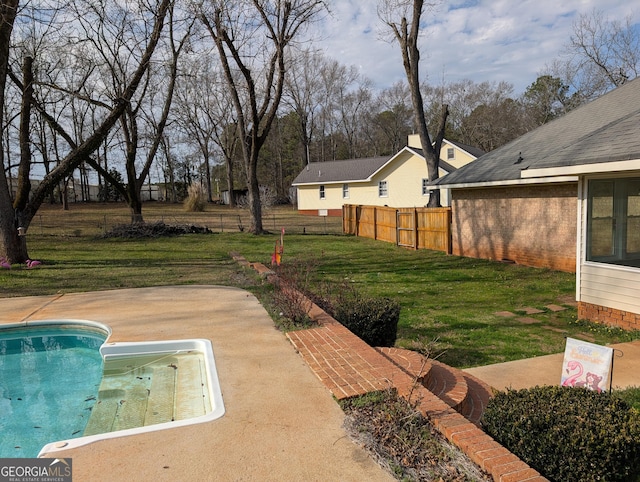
{"x":586,"y":365}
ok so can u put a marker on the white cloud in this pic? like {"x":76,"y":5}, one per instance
{"x":482,"y":40}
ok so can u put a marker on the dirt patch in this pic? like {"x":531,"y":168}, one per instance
{"x":404,"y":442}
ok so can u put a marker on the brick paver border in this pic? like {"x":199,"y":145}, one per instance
{"x":348,"y":367}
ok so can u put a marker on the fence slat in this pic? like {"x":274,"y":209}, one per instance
{"x":418,"y":228}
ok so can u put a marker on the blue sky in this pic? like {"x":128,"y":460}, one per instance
{"x":481,"y":40}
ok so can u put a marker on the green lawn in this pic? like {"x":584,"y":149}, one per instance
{"x":448,"y":303}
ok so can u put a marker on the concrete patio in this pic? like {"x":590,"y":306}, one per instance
{"x":280,"y":421}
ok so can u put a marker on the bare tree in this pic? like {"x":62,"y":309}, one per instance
{"x":20,"y":214}
{"x":10,"y":244}
{"x":353,"y":104}
{"x":485,"y":115}
{"x":336,"y":80}
{"x":206,"y":115}
{"x":115,"y":31}
{"x":601,"y":54}
{"x":251,"y":38}
{"x":391,"y":119}
{"x":403,"y":19}
{"x":179,"y":33}
{"x":305,"y":94}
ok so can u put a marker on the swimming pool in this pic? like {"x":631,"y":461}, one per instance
{"x":98,"y":390}
{"x":49,"y":379}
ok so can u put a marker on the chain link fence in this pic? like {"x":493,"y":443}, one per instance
{"x":93,"y":219}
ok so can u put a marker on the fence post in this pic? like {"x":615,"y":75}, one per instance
{"x":415,"y":228}
{"x":375,"y":223}
{"x":397,"y":227}
{"x":449,"y":234}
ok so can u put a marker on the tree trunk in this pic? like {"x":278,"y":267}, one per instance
{"x":17,"y":241}
{"x":64,"y":195}
{"x":135,"y":206}
{"x":207,"y":170}
{"x":255,"y":206}
{"x":406,"y":33}
{"x":230,"y":182}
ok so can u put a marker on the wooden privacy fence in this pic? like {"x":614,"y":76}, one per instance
{"x":417,"y":228}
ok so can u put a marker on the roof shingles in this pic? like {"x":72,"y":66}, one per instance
{"x":605,"y":130}
{"x":349,"y":170}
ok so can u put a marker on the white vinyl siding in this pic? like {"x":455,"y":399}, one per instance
{"x":611,"y":286}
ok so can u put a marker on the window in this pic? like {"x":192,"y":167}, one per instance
{"x":345,"y":191}
{"x":383,"y":190}
{"x":451,"y":154}
{"x":322,"y":194}
{"x":613,"y":221}
{"x":425,"y":187}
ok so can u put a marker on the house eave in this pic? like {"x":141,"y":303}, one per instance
{"x":509,"y":182}
{"x":317,"y":183}
{"x":581,"y":169}
{"x":391,"y":159}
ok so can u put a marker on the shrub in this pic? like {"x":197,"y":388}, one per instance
{"x":404,"y":441}
{"x":567,"y":433}
{"x":375,"y":320}
{"x":290,"y":288}
{"x":291,"y":304}
{"x":196,"y":200}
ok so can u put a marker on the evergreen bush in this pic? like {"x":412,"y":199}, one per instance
{"x":375,"y":320}
{"x":568,"y":434}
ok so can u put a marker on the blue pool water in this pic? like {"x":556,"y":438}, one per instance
{"x":49,"y":379}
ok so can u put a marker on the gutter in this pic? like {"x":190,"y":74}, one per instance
{"x":509,"y":182}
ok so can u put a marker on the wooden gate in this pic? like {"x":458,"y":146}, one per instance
{"x":417,"y":228}
{"x":406,"y":229}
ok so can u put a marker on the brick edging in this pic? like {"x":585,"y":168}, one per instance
{"x":489,"y":455}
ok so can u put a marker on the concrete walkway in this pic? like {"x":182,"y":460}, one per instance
{"x":280,"y":421}
{"x":547,"y":370}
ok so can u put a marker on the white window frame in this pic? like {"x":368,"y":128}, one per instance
{"x":615,"y":226}
{"x":425,"y":187}
{"x":345,"y":191}
{"x":323,"y":194}
{"x":451,"y":153}
{"x":383,"y":189}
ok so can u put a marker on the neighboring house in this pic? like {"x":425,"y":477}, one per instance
{"x":564,"y":196}
{"x":398,"y":181}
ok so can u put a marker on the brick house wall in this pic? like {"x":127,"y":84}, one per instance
{"x":531,"y":225}
{"x":608,"y":316}
{"x":316,"y":212}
